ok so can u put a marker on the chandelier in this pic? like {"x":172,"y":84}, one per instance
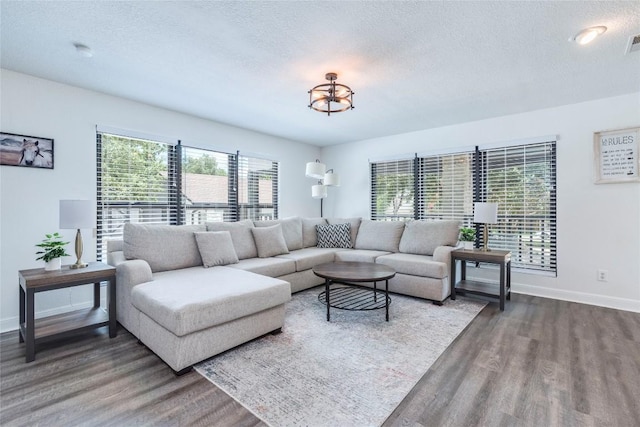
{"x":331,"y":97}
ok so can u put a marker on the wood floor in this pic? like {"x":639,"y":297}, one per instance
{"x":541,"y":362}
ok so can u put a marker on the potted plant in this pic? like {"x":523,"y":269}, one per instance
{"x":467,"y":236}
{"x":52,"y":250}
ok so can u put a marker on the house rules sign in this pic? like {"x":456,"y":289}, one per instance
{"x":616,"y":156}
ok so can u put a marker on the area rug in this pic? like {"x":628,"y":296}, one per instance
{"x":351,"y":371}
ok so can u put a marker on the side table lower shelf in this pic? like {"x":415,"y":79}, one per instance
{"x":67,"y":324}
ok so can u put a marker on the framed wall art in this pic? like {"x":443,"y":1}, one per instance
{"x":616,"y":156}
{"x":27,"y":151}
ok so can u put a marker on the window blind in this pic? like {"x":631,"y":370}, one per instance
{"x":445,"y":187}
{"x":257,"y":188}
{"x":522,"y":180}
{"x":392,"y":190}
{"x":208,"y":190}
{"x":136,"y":183}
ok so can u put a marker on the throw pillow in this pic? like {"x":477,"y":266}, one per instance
{"x":269,"y":241}
{"x":216,"y":248}
{"x":353,"y":222}
{"x":291,"y":230}
{"x":241,"y":236}
{"x":334,"y":236}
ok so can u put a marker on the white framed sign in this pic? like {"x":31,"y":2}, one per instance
{"x":616,"y":155}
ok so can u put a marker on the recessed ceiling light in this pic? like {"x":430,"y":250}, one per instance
{"x":588,"y":34}
{"x":83,"y":50}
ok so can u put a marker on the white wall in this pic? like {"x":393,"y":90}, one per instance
{"x":29,"y":197}
{"x":598,"y":225}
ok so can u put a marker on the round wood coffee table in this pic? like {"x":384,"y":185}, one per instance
{"x":354,"y":272}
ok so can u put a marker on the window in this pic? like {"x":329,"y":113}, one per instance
{"x":142,"y":180}
{"x":520,"y":178}
{"x":392,"y":190}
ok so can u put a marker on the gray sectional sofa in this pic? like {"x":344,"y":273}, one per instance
{"x":191,"y":292}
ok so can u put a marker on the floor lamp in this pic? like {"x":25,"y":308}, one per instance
{"x":326,"y":178}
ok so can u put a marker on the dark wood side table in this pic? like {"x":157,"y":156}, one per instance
{"x":502,"y":290}
{"x":39,"y":280}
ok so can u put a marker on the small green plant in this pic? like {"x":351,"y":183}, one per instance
{"x":467,"y":234}
{"x":52,"y":247}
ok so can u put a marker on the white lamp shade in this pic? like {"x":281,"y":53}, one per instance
{"x":485,"y":213}
{"x":77,"y":214}
{"x":332,"y":179}
{"x":315,"y":170}
{"x":319,"y":191}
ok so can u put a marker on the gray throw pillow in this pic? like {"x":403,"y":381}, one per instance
{"x":334,"y":236}
{"x":216,"y":248}
{"x":270,"y":241}
{"x":241,"y":236}
{"x":291,"y":230}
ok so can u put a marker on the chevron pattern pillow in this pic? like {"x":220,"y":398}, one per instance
{"x":334,"y":236}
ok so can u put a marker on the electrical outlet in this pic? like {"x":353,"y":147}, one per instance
{"x":603,"y":275}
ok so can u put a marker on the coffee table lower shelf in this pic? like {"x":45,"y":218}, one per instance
{"x":355,"y":298}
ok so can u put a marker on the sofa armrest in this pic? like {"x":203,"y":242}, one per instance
{"x":443,"y":254}
{"x":133,"y":272}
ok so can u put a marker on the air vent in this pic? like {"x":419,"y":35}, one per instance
{"x":634,"y":44}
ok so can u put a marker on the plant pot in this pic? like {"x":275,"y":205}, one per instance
{"x":53,"y":264}
{"x":467,"y":245}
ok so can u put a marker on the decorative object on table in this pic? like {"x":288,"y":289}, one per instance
{"x":331,"y":97}
{"x":616,"y":156}
{"x":23,"y":150}
{"x":467,"y":237}
{"x":77,"y":214}
{"x":52,"y":250}
{"x":326,"y":178}
{"x":485,"y":213}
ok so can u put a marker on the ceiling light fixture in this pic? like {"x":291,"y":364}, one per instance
{"x":331,"y":97}
{"x":588,"y":34}
{"x":84,"y":51}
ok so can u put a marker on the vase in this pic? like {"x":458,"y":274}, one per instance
{"x":467,"y":245}
{"x":53,"y":264}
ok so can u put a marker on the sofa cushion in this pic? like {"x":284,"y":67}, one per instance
{"x":216,"y":248}
{"x":308,"y":257}
{"x":423,"y":237}
{"x":240,"y":236}
{"x":334,"y":236}
{"x":359,"y":255}
{"x":309,"y":232}
{"x":189,"y":300}
{"x":291,"y":230}
{"x":272,"y":267}
{"x":164,"y":247}
{"x":415,"y":265}
{"x":269,"y":241}
{"x":354,"y":223}
{"x":379,"y":235}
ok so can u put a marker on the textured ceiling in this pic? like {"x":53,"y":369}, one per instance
{"x":412,"y":65}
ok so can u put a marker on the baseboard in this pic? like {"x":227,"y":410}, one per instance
{"x":581,"y":297}
{"x":11,"y":323}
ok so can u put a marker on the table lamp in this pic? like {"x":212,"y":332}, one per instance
{"x":77,"y":214}
{"x":485,"y":213}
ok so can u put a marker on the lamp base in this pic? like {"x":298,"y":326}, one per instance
{"x":78,"y":265}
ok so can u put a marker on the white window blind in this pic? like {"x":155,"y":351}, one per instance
{"x":392,"y":190}
{"x":522,"y":180}
{"x":208,"y":192}
{"x":136,"y":183}
{"x":257,"y":188}
{"x":445,"y":187}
